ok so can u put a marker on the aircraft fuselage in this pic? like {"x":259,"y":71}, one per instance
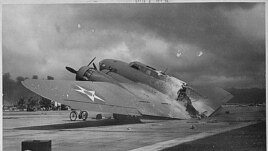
{"x":141,"y":73}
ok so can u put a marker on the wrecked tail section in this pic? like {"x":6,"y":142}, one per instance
{"x":225,"y":99}
{"x":208,"y":99}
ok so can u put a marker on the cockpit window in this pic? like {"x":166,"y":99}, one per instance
{"x":150,"y":67}
{"x":135,"y":67}
{"x":150,"y":71}
{"x":102,"y":66}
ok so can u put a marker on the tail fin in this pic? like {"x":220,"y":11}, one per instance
{"x":211,"y":99}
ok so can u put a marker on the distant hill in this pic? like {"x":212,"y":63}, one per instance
{"x":247,"y":96}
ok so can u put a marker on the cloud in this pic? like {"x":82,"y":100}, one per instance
{"x":248,"y":23}
{"x":215,"y":40}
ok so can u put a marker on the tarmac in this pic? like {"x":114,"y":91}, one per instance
{"x":107,"y":134}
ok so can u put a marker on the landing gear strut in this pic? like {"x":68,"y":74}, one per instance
{"x":80,"y":114}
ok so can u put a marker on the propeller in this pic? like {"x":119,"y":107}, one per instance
{"x":75,"y":72}
{"x":95,"y":67}
{"x":91,"y":61}
{"x":71,"y":70}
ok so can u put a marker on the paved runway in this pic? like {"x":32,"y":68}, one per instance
{"x":249,"y":138}
{"x":107,"y":134}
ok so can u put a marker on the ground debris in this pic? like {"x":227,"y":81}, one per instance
{"x":212,"y":121}
{"x":192,"y":127}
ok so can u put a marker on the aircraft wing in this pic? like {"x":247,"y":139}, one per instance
{"x":86,"y":95}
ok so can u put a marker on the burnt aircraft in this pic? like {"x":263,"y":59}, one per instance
{"x":129,"y":91}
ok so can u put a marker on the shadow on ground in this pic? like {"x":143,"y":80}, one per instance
{"x":251,"y":138}
{"x":82,"y":124}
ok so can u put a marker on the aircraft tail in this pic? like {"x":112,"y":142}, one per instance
{"x":211,"y":100}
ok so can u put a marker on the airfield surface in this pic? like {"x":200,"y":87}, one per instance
{"x":107,"y":134}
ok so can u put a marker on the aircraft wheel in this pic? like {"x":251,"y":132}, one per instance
{"x":84,"y":115}
{"x":80,"y":115}
{"x":73,"y":116}
{"x":98,"y":116}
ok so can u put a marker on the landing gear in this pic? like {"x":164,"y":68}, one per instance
{"x":80,"y":114}
{"x":73,"y":116}
{"x":84,"y":115}
{"x":98,"y":116}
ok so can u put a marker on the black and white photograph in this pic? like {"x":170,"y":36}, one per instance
{"x":138,"y":75}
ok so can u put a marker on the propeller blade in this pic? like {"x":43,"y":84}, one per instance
{"x":71,"y":70}
{"x":95,"y":67}
{"x":91,"y":61}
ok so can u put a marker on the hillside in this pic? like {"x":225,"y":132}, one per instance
{"x":247,"y":96}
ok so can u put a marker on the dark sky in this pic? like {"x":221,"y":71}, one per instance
{"x":221,"y":44}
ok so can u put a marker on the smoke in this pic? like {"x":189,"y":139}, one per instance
{"x":220,"y":43}
{"x":13,"y":90}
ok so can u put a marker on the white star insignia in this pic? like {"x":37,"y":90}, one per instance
{"x":90,"y":94}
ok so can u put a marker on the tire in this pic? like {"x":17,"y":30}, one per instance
{"x":73,"y":116}
{"x":84,"y":115}
{"x":98,"y":116}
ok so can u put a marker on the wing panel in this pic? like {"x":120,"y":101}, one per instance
{"x":154,"y":103}
{"x":93,"y":96}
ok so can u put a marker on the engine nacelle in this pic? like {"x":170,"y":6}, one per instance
{"x":90,"y":74}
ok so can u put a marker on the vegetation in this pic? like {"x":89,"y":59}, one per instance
{"x":45,"y":103}
{"x":32,"y":104}
{"x":22,"y":103}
